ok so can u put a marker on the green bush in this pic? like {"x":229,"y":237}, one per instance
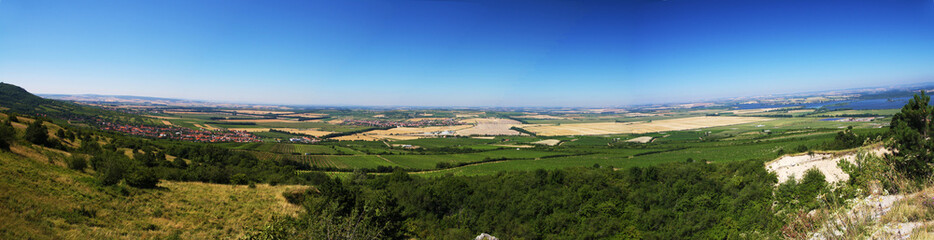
{"x":239,"y":179}
{"x":37,"y":133}
{"x":77,"y":163}
{"x":111,"y":169}
{"x":7,"y":135}
{"x":142,"y":178}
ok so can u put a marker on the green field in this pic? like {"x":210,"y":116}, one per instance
{"x":472,"y":156}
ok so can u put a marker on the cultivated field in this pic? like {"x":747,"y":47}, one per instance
{"x":266,"y":121}
{"x":638,"y":127}
{"x":490,"y":126}
{"x":258,"y":112}
{"x":404,"y":133}
{"x":307,"y":115}
{"x":312,"y":132}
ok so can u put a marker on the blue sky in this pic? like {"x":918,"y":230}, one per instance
{"x":463,"y":53}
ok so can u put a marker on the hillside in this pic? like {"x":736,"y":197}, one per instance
{"x":41,"y":198}
{"x":18,"y":99}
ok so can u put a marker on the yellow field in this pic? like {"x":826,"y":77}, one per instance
{"x":167,"y":123}
{"x":403,"y":133}
{"x":190,"y":113}
{"x":307,"y":115}
{"x":161,"y":117}
{"x":490,"y":126}
{"x":312,"y":132}
{"x":637,"y":127}
{"x":258,"y":112}
{"x":207,"y":127}
{"x":539,"y":116}
{"x":267,"y":120}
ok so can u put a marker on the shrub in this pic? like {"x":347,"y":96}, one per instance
{"x":77,"y":163}
{"x":37,"y":133}
{"x":142,"y":178}
{"x":7,"y":134}
{"x":238,"y":179}
{"x":111,"y":169}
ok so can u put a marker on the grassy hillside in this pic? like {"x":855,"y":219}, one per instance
{"x":40,"y":199}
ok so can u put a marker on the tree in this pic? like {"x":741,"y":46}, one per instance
{"x":37,"y":133}
{"x":7,"y":135}
{"x":910,"y":129}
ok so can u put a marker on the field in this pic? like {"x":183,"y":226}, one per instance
{"x":638,"y":127}
{"x":490,"y":126}
{"x":486,"y":144}
{"x":405,"y":133}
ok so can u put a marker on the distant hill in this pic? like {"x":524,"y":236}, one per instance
{"x":16,"y":99}
{"x":148,"y":101}
{"x":19,"y":100}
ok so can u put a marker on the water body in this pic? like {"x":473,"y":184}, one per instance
{"x":862,"y":104}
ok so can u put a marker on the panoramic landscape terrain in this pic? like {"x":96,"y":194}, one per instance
{"x":466,"y":120}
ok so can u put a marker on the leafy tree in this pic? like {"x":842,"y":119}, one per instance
{"x":37,"y":133}
{"x":910,"y":129}
{"x":7,"y":135}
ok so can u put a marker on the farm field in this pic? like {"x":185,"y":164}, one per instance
{"x":490,"y":126}
{"x":638,"y":127}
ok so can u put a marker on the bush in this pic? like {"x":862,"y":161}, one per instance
{"x":142,"y":178}
{"x":7,"y":135}
{"x":238,"y":179}
{"x":37,"y":133}
{"x":111,"y":169}
{"x":77,"y":163}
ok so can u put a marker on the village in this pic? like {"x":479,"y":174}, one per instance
{"x":185,"y":134}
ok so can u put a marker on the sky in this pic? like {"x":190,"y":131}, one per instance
{"x":462,"y":53}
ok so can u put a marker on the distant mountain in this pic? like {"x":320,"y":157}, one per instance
{"x":148,"y":101}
